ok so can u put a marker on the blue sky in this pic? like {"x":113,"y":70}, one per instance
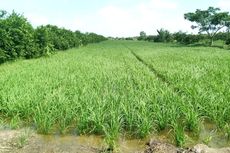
{"x":112,"y":17}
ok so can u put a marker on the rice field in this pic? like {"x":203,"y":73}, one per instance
{"x":119,"y":87}
{"x":199,"y":73}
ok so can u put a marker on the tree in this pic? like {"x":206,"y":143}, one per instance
{"x":143,"y":36}
{"x":163,"y":36}
{"x":3,"y":13}
{"x":184,"y":38}
{"x":18,"y":39}
{"x":16,"y":35}
{"x":42,"y":39}
{"x":210,"y":21}
{"x":227,"y":41}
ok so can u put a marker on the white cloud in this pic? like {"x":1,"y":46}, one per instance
{"x":37,"y":19}
{"x":161,"y":4}
{"x":115,"y":20}
{"x":224,"y":4}
{"x":149,"y":16}
{"x":113,"y":17}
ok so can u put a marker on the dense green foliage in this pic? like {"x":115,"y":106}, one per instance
{"x":186,"y":39}
{"x":227,"y":41}
{"x":142,"y":36}
{"x":118,"y":87}
{"x":18,"y":39}
{"x":210,"y":21}
{"x":163,"y":36}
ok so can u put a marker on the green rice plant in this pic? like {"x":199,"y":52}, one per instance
{"x":83,"y":124}
{"x":227,"y":131}
{"x":207,"y":140}
{"x":15,"y":122}
{"x":44,"y":119}
{"x":104,"y":89}
{"x":162,"y":121}
{"x":192,"y":121}
{"x":179,"y":135}
{"x":200,"y":75}
{"x":65,"y":119}
{"x":22,"y":139}
{"x":112,"y":130}
{"x":145,"y":126}
{"x":63,"y":114}
{"x":2,"y":123}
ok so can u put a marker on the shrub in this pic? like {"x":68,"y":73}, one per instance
{"x":16,"y":36}
{"x":227,"y":42}
{"x":186,"y":39}
{"x":3,"y":56}
{"x":19,"y":39}
{"x":163,"y":36}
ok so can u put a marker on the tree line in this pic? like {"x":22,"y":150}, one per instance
{"x":208,"y":22}
{"x":18,"y":38}
{"x":183,"y":37}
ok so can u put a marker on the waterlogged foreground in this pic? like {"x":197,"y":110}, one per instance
{"x":119,"y":89}
{"x":27,"y":141}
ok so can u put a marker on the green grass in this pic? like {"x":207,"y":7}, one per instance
{"x":104,"y":89}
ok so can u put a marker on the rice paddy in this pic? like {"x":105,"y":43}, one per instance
{"x":119,"y":87}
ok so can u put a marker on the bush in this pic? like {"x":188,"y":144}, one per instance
{"x":3,"y":56}
{"x":186,"y":39}
{"x":19,"y":39}
{"x":190,"y":39}
{"x":43,"y":42}
{"x":16,"y":36}
{"x":163,"y":36}
{"x":227,"y":42}
{"x":151,"y":38}
{"x":142,"y":36}
{"x":221,"y":36}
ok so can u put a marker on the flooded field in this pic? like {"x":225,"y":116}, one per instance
{"x":22,"y":142}
{"x":28,"y":141}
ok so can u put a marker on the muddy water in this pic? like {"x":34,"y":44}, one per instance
{"x":85,"y":144}
{"x":93,"y":144}
{"x":210,"y":136}
{"x":97,"y":143}
{"x":70,"y":143}
{"x":67,"y":144}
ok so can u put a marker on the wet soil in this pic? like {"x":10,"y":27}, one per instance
{"x":161,"y":147}
{"x":7,"y":140}
{"x":27,"y":141}
{"x":24,"y":141}
{"x":19,"y":141}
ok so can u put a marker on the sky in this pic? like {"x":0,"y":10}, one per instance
{"x":116,"y":18}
